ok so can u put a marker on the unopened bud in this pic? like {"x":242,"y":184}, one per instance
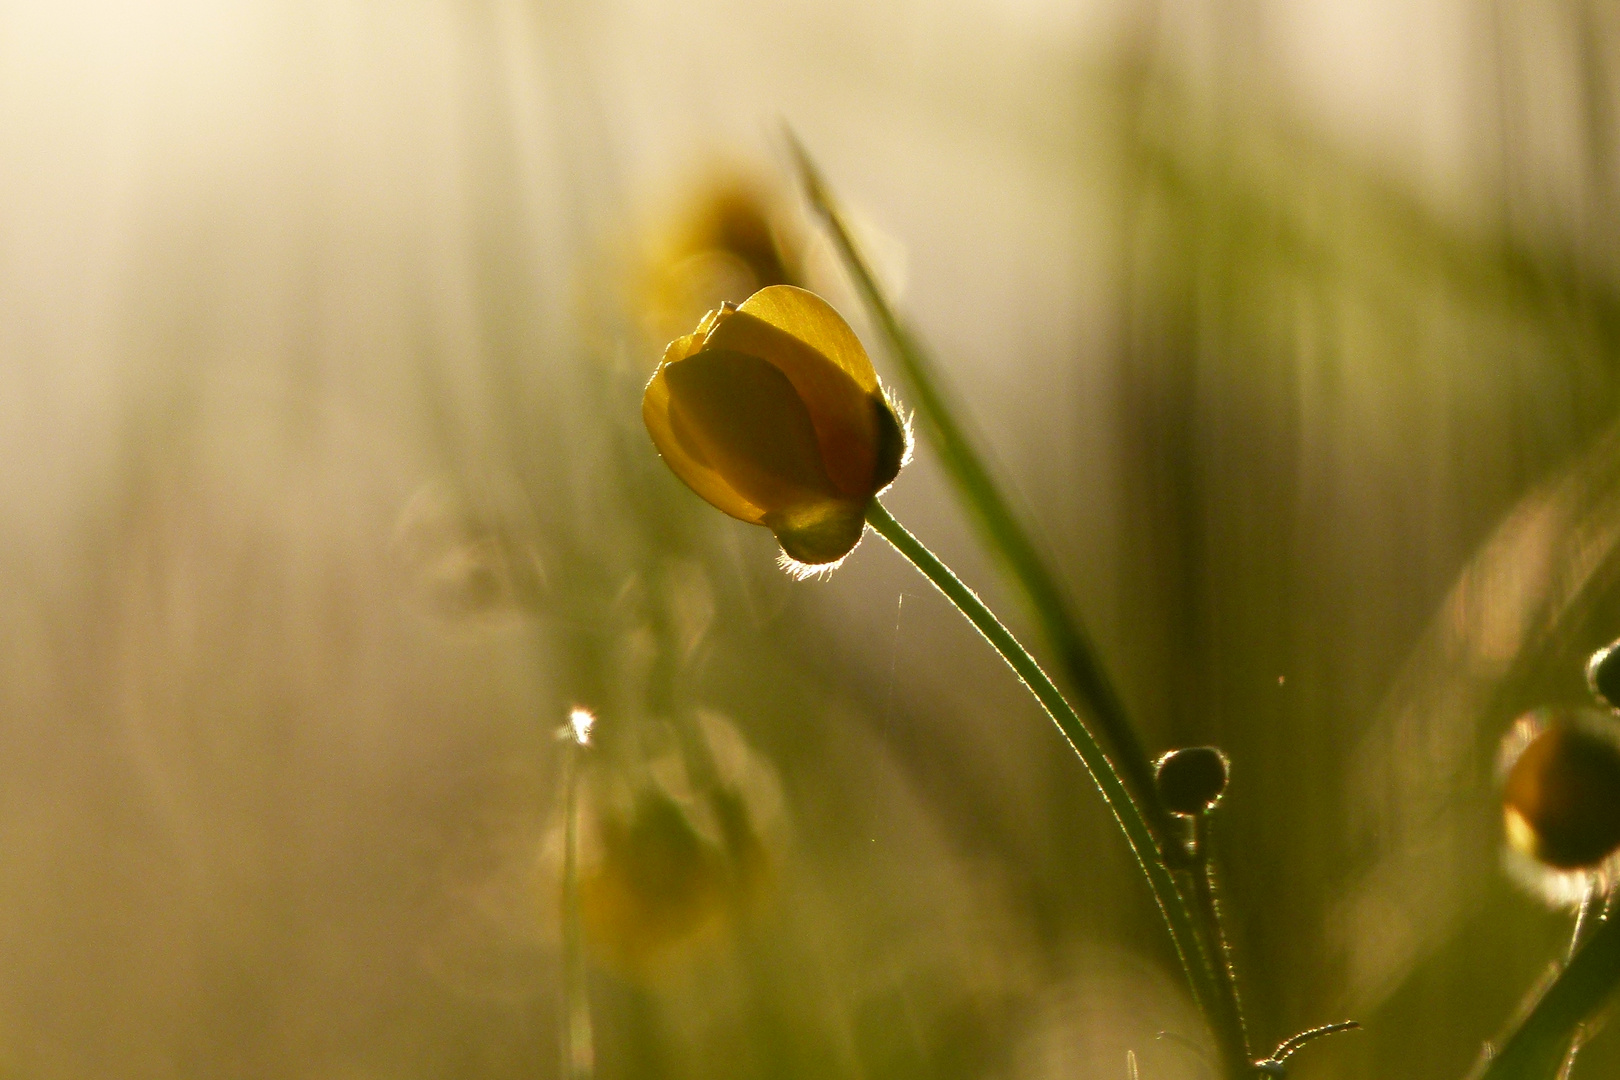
{"x":1190,"y":780}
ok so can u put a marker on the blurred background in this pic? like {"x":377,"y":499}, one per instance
{"x":1292,"y":329}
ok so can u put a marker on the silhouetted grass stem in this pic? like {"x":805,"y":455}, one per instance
{"x":1215,"y":945}
{"x":1537,"y":1047}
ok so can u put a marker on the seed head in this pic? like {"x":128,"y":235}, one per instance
{"x":1191,"y":780}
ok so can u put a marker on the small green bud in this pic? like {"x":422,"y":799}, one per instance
{"x":1190,"y":780}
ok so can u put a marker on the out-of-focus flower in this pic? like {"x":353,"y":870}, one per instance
{"x":1561,"y":795}
{"x":1603,"y":674}
{"x":671,"y":856}
{"x":773,"y":413}
{"x":658,"y":881}
{"x":728,"y":243}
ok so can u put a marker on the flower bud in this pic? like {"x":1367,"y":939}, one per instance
{"x":1191,"y":780}
{"x":1603,"y":674}
{"x":1561,"y":795}
{"x":773,"y":413}
{"x":672,"y":853}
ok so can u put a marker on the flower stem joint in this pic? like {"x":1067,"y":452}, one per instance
{"x":773,"y":413}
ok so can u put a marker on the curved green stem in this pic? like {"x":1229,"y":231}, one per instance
{"x":993,"y":514}
{"x":1540,"y":1046}
{"x":1178,"y":916}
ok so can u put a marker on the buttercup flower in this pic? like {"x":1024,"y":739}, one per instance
{"x":1603,"y":674}
{"x":1560,"y":775}
{"x":772,"y":412}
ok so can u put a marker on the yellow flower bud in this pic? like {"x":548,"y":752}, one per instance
{"x":1603,"y":674}
{"x":773,"y":413}
{"x":674,"y":855}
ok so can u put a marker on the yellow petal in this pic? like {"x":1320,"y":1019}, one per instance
{"x":839,"y":408}
{"x":682,"y":347}
{"x":696,"y":473}
{"x":739,"y":415}
{"x":811,"y":319}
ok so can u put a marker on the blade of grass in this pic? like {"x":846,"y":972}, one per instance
{"x":1536,"y":1047}
{"x":1172,"y":904}
{"x":993,"y":515}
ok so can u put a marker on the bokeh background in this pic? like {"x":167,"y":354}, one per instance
{"x":1292,"y":329}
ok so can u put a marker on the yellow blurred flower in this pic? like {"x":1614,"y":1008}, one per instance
{"x":772,"y":412}
{"x":658,"y":882}
{"x":1561,"y":800}
{"x":727,"y":243}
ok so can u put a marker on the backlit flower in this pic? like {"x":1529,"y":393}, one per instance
{"x":1603,"y":674}
{"x":773,"y":413}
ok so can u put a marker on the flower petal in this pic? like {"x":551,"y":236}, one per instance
{"x":685,"y":346}
{"x":838,"y":406}
{"x":696,"y":473}
{"x":811,"y":319}
{"x":740,"y":415}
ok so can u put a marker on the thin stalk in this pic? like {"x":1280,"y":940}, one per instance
{"x":1538,"y":1047}
{"x":1586,"y":919}
{"x":1172,"y":904}
{"x":1590,"y":911}
{"x":579,"y":1049}
{"x":993,"y":515}
{"x":1215,"y":945}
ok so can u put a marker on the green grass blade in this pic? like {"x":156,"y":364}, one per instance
{"x":993,"y":515}
{"x":1535,"y":1049}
